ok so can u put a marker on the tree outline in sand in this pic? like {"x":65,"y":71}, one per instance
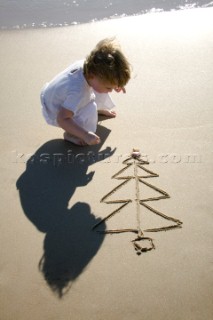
{"x":138,"y":164}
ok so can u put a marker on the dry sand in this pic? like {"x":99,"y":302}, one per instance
{"x":52,"y":266}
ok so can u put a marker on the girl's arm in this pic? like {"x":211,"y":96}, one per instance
{"x":66,"y":122}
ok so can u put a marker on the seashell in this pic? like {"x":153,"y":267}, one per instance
{"x":135,"y":153}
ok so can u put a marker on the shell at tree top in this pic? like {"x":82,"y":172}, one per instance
{"x":135,"y":153}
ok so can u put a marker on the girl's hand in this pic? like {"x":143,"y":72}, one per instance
{"x":91,"y":138}
{"x":120,"y":89}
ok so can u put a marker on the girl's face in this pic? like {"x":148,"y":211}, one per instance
{"x":99,"y":85}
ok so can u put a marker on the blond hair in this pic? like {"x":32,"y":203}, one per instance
{"x":107,"y":62}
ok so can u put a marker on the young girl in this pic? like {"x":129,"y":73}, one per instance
{"x":73,"y":98}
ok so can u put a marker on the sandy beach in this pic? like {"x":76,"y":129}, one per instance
{"x":53,"y":266}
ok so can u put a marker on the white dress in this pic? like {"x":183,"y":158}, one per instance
{"x":70,"y":90}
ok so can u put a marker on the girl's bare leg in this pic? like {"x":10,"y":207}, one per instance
{"x":73,"y":139}
{"x":107,"y":113}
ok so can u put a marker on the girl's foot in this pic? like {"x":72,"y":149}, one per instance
{"x":73,"y":139}
{"x":107,"y":113}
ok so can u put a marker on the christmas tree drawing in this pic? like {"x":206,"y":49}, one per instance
{"x":139,"y":175}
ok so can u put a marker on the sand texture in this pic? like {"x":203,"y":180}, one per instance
{"x":53,"y":266}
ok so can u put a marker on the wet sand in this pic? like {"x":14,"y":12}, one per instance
{"x":20,"y":14}
{"x":52,"y":265}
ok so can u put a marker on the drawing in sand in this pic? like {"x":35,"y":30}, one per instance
{"x":137,"y":165}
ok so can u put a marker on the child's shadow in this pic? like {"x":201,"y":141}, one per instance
{"x":52,"y":174}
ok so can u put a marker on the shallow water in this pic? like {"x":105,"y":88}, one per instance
{"x":19,"y":14}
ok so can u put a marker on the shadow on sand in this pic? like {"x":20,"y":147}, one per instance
{"x":52,"y":175}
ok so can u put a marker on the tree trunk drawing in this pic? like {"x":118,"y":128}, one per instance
{"x":137,"y":164}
